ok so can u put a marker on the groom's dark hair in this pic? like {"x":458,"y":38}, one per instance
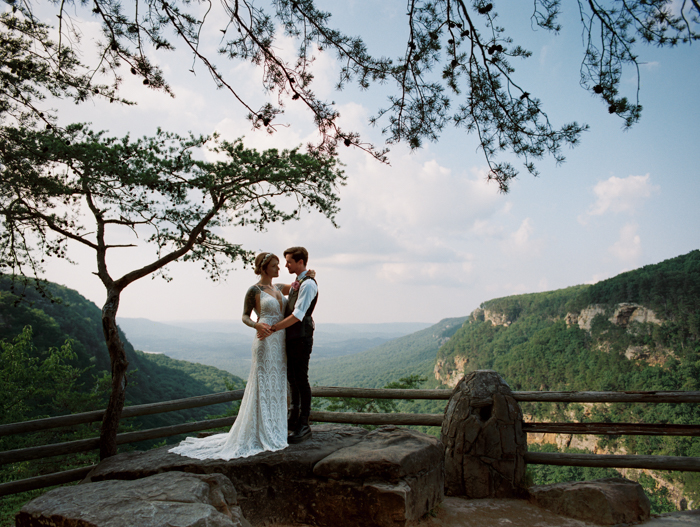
{"x":298,"y":253}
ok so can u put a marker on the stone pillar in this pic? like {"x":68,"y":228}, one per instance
{"x":484,"y":440}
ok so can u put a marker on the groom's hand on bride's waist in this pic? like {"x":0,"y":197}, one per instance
{"x":264,"y":330}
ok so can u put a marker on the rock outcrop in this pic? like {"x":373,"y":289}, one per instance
{"x":450,"y":371}
{"x":623,"y":315}
{"x":657,"y":356}
{"x":497,"y":319}
{"x":343,"y":476}
{"x":484,"y":441}
{"x":571,"y":319}
{"x":162,"y":500}
{"x":586,"y":316}
{"x":626,"y":313}
{"x":608,"y":501}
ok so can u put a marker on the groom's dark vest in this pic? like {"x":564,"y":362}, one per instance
{"x":305,"y":327}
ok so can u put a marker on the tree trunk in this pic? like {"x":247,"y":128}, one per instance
{"x":117,"y":355}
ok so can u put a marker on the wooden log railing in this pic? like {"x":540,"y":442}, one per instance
{"x":130,"y":411}
{"x":590,"y":460}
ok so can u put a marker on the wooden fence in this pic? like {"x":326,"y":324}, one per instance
{"x":546,"y":458}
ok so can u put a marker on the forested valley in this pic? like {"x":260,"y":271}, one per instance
{"x":565,"y":340}
{"x":637,"y":331}
{"x":580,"y":338}
{"x":55,"y":362}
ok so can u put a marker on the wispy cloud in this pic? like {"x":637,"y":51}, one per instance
{"x":521,"y":241}
{"x":619,"y":195}
{"x":629,"y":245}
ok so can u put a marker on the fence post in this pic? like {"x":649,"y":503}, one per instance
{"x":484,"y":441}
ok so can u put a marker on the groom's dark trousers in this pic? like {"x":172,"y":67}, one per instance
{"x":298,"y":354}
{"x":300,"y":340}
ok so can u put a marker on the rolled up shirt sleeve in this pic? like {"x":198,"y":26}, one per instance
{"x":307,"y":292}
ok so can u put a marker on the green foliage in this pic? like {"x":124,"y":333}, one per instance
{"x":35,"y":384}
{"x":550,"y":474}
{"x":539,"y":351}
{"x":670,"y":288}
{"x":29,"y":383}
{"x":546,"y":304}
{"x":34,"y":67}
{"x":456,"y":67}
{"x":362,"y":405}
{"x":153,"y":378}
{"x":402,"y":357}
{"x":38,"y":379}
{"x":63,"y":183}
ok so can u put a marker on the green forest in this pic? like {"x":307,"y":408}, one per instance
{"x":539,"y":350}
{"x":55,"y":362}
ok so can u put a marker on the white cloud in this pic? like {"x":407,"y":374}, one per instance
{"x":520,"y":242}
{"x":486,"y":228}
{"x":446,"y":274}
{"x":521,"y":237}
{"x":629,"y":246}
{"x":619,"y":195}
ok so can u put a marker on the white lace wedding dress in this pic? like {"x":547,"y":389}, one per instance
{"x":261,"y":424}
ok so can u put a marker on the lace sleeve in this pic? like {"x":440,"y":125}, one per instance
{"x":249,"y":304}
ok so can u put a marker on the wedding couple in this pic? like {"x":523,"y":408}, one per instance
{"x":281,"y":351}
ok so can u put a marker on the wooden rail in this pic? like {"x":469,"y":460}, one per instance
{"x":341,"y":392}
{"x":84,"y":445}
{"x":609,"y":397}
{"x":378,"y":419}
{"x":129,"y":411}
{"x":380,"y":393}
{"x":688,"y":464}
{"x":589,"y":460}
{"x":612,"y":429}
{"x":48,"y":480}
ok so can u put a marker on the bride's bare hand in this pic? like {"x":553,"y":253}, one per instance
{"x":311,"y":273}
{"x":264,"y":330}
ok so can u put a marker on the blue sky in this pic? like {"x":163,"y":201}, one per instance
{"x":427,"y":237}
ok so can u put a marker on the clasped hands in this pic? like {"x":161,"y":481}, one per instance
{"x":264,"y":330}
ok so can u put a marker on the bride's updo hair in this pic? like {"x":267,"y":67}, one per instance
{"x":262,"y":261}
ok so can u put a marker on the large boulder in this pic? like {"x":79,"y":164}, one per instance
{"x":390,"y":476}
{"x":608,"y":501}
{"x":484,"y":440}
{"x":172,"y":499}
{"x":393,"y":475}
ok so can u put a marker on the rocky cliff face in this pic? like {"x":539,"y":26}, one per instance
{"x":497,"y":319}
{"x":450,"y":371}
{"x":653,"y":356}
{"x":623,"y":315}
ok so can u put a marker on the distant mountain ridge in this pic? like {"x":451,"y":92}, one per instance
{"x":226,"y":344}
{"x":656,"y":306}
{"x":400,"y":357}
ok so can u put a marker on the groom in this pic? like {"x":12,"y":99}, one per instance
{"x":300,"y":339}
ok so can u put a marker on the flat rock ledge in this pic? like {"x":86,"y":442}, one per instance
{"x":342,"y":476}
{"x":165,"y":500}
{"x":608,"y":501}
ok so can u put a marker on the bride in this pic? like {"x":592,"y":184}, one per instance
{"x":261,"y":424}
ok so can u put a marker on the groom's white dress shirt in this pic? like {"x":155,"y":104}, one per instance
{"x":307,"y":291}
